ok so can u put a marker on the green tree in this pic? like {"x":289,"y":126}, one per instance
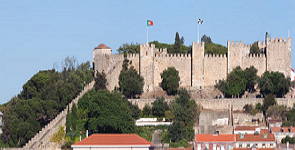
{"x":254,"y":49}
{"x":289,"y":139}
{"x":290,"y":115}
{"x":258,"y":107}
{"x":277,"y":112}
{"x":100,"y":81}
{"x":24,"y":118}
{"x":106,"y":112}
{"x":248,"y":108}
{"x":206,"y":39}
{"x":159,"y":106}
{"x":72,"y":123}
{"x":234,"y":85}
{"x":130,"y":82}
{"x":43,"y":96}
{"x":238,"y":81}
{"x":274,"y":83}
{"x":170,"y":80}
{"x":129,"y":48}
{"x":170,"y":47}
{"x":39,"y":84}
{"x":213,"y":48}
{"x":268,"y":101}
{"x":178,"y":42}
{"x":135,"y":111}
{"x":251,"y":78}
{"x":146,"y":111}
{"x":186,"y":113}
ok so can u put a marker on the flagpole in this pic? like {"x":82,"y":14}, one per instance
{"x":198,"y":30}
{"x":147,"y":34}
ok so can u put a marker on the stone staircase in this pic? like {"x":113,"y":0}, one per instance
{"x":41,"y":141}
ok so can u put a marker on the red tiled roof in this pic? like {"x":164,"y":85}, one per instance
{"x":283,"y":129}
{"x":275,"y":129}
{"x":243,"y":128}
{"x":215,"y":138}
{"x":263,"y":131}
{"x":113,"y":139}
{"x":252,"y":137}
{"x":102,"y":46}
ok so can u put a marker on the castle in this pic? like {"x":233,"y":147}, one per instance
{"x":198,"y":69}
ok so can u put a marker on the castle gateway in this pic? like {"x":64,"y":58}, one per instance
{"x":197,"y":69}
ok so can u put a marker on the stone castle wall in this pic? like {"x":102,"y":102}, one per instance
{"x":41,"y":141}
{"x":220,"y":104}
{"x":236,"y":52}
{"x":256,"y":60}
{"x":278,"y":55}
{"x":215,"y":68}
{"x":181,"y":62}
{"x":197,"y":69}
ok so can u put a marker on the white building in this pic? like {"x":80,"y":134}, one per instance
{"x":266,"y":140}
{"x":112,"y":142}
{"x":151,"y":122}
{"x":246,"y":130}
{"x":282,"y":132}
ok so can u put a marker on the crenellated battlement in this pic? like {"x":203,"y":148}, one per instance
{"x":176,"y":55}
{"x":279,"y":40}
{"x":251,"y":55}
{"x":161,"y":50}
{"x":117,"y":57}
{"x":132,"y":55}
{"x":238,"y":44}
{"x":196,"y":69}
{"x":215,"y":55}
{"x":147,"y":45}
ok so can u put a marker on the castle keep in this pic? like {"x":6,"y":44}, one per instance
{"x":196,"y":70}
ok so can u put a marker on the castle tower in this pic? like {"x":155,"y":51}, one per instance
{"x":278,"y":53}
{"x":146,"y":66}
{"x":101,"y":55}
{"x":198,"y":50}
{"x":236,"y":52}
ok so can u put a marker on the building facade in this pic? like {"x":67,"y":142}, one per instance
{"x":282,"y":132}
{"x":265,"y":140}
{"x":197,"y":69}
{"x":214,"y":141}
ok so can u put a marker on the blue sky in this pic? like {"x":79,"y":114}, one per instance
{"x":35,"y":35}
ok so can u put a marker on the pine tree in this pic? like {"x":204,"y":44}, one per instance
{"x":177,"y":43}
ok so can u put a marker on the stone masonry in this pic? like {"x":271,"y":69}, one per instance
{"x":41,"y":141}
{"x":197,"y":69}
{"x":236,"y":104}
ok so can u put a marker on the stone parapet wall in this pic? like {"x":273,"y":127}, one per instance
{"x":42,"y":139}
{"x":220,"y":104}
{"x":197,"y":69}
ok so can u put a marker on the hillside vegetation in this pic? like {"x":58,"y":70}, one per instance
{"x":43,"y":96}
{"x":177,"y":47}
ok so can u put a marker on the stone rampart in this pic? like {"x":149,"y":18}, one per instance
{"x":221,"y":104}
{"x":215,"y":68}
{"x":198,"y":69}
{"x":256,"y":60}
{"x":181,"y":62}
{"x":42,"y":139}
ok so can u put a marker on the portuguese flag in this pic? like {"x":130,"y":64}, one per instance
{"x":150,"y":23}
